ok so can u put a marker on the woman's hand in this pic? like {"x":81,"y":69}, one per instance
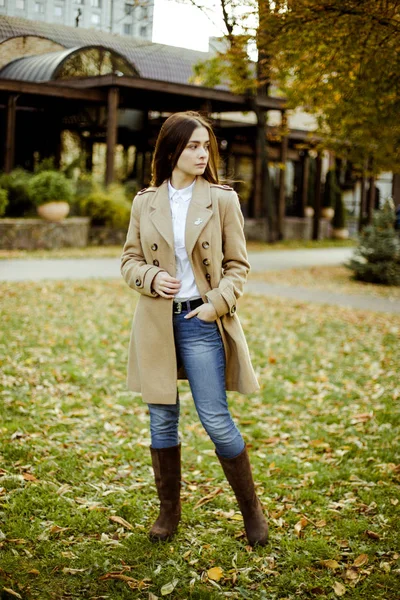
{"x":165,"y":285}
{"x":205,"y":312}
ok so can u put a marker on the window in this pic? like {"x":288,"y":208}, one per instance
{"x":2,"y":3}
{"x":20,"y":4}
{"x":95,"y":3}
{"x":39,"y":7}
{"x":128,"y":28}
{"x":58,"y":10}
{"x":96,"y":19}
{"x":128,"y":8}
{"x":143,"y":31}
{"x":79,"y":1}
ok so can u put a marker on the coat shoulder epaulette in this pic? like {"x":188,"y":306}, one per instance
{"x":222,"y":186}
{"x":144,"y":190}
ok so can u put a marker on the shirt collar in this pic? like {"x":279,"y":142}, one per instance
{"x":184,"y":194}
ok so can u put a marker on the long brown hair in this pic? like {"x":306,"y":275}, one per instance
{"x":174,"y":134}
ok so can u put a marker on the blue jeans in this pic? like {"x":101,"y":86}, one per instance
{"x":200,"y":350}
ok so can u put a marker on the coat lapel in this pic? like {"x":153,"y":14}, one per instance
{"x":160,"y":214}
{"x":198,"y":213}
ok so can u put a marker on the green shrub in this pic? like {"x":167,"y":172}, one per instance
{"x":16,"y":184}
{"x":377,"y":257}
{"x":3,"y":201}
{"x":107,"y":207}
{"x":50,"y":186}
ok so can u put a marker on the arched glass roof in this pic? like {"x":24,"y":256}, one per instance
{"x":85,"y":61}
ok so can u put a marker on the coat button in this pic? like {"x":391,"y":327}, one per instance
{"x":206,"y":262}
{"x":156,"y":263}
{"x":233,"y":310}
{"x":205,"y":245}
{"x":208,"y":276}
{"x":154,"y":247}
{"x":138,"y":282}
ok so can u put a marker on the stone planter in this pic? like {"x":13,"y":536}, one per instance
{"x":327,"y":212}
{"x":53,"y":211}
{"x":340,"y":234}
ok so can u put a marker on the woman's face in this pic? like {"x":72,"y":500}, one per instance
{"x":194,"y":157}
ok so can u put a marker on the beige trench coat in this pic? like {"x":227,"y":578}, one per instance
{"x":216,"y":248}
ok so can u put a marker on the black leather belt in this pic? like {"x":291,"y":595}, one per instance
{"x":186,"y":305}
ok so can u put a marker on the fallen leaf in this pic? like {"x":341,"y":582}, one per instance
{"x":168,"y":588}
{"x":351,"y":574}
{"x":215,"y":573}
{"x":394,"y":501}
{"x":10,"y":591}
{"x":69,"y":571}
{"x":300,"y":525}
{"x":152,"y":596}
{"x":122,"y":522}
{"x":208,"y":498}
{"x":320,"y":523}
{"x":339,"y":589}
{"x":361,"y":560}
{"x":373,"y":534}
{"x":28,"y":477}
{"x":34,"y":572}
{"x":330,"y":564}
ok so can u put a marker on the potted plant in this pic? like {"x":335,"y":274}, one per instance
{"x":329,"y":198}
{"x":339,"y":230}
{"x":52,"y":193}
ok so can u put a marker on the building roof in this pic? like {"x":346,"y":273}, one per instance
{"x":48,"y":66}
{"x":153,"y":61}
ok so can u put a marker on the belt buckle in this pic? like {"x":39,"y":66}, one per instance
{"x":177,"y":308}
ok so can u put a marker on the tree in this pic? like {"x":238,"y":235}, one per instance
{"x":340,"y":60}
{"x":377,"y":257}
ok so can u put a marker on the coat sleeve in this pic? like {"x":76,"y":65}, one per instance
{"x":137,"y":273}
{"x":235,"y":265}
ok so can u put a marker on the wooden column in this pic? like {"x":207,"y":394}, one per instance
{"x":317,"y":208}
{"x":306,"y":177}
{"x":10,"y":133}
{"x":282,"y":177}
{"x":112,"y":130}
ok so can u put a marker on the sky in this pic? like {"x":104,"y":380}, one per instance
{"x":181,"y":24}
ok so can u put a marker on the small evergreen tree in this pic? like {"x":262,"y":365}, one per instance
{"x":377,"y":257}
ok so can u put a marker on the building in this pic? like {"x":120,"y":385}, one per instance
{"x":124,"y":17}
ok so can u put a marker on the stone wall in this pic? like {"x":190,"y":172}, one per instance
{"x":295,"y":228}
{"x":32,"y":234}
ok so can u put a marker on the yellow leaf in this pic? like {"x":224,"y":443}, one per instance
{"x":361,"y":560}
{"x":300,"y":525}
{"x":215,"y":573}
{"x":339,"y":589}
{"x":321,"y":523}
{"x":330,"y":564}
{"x":121,"y":521}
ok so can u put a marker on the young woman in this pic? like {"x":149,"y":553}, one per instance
{"x":185,"y":254}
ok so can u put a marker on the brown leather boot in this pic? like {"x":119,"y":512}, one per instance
{"x":167,"y":475}
{"x":238,"y":473}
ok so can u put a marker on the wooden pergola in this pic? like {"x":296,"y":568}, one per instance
{"x":114,"y":92}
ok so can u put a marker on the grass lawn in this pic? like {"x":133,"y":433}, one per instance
{"x":115,"y":251}
{"x":77,"y":494}
{"x":337,"y":279}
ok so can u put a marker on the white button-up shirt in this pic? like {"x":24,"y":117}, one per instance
{"x":179,"y":202}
